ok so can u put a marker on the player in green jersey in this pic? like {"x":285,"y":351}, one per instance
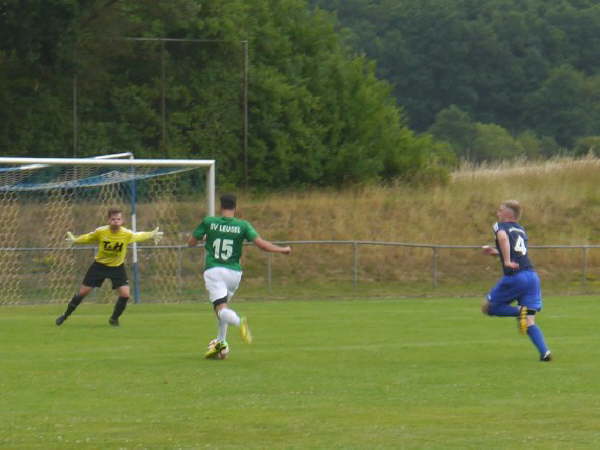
{"x":109,"y":262}
{"x":224,"y":237}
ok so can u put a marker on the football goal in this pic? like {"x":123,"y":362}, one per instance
{"x":43,"y":198}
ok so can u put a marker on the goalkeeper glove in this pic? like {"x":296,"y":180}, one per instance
{"x":157,"y":235}
{"x":70,"y":238}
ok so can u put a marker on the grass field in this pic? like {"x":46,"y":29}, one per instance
{"x":354,"y":374}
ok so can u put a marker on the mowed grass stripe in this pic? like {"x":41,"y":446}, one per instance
{"x":422,"y":373}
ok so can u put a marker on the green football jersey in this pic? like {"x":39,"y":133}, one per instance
{"x":224,"y":240}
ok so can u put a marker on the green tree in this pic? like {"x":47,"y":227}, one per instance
{"x":532,"y":145}
{"x":587,"y":145}
{"x":493,"y":142}
{"x":318,"y":113}
{"x":488,"y":57}
{"x":457,"y":128}
{"x":34,"y":52}
{"x":559,"y":107}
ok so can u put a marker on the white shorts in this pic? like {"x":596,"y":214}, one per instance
{"x":221,"y":282}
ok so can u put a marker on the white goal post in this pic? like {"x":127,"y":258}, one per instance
{"x":42,"y":198}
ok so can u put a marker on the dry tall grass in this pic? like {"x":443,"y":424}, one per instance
{"x":560,"y":199}
{"x":561,"y":204}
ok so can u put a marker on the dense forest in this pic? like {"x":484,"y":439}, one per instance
{"x":294,"y":93}
{"x":495,"y":78}
{"x":74,"y":83}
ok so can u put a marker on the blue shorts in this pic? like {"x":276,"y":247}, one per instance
{"x":523,"y":286}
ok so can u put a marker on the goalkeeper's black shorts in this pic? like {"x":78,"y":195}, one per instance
{"x":99,"y":272}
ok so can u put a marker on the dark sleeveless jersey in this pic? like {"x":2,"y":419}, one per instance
{"x":517,"y":238}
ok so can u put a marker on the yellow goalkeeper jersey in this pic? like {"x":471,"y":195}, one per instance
{"x":112,"y":246}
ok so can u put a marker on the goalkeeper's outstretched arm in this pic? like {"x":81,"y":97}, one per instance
{"x":70,"y":238}
{"x":81,"y":239}
{"x":145,"y":235}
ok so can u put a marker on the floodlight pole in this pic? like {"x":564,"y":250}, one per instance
{"x":245,"y":113}
{"x":75,"y":116}
{"x":163,"y":95}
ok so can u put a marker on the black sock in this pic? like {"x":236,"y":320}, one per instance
{"x":73,"y":304}
{"x":119,"y":307}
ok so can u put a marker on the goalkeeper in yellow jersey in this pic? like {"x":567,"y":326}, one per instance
{"x":112,"y":240}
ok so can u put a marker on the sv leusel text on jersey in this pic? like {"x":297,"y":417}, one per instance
{"x":225,"y":228}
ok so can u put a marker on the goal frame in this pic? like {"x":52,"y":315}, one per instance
{"x":131,"y":162}
{"x":113,"y":160}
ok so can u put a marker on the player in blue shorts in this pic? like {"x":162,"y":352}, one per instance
{"x":520,"y":282}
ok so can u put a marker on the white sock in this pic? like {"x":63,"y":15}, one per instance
{"x":229,"y":316}
{"x":222,"y":334}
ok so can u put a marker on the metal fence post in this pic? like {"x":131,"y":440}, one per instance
{"x":434,"y":260}
{"x":584,"y":268}
{"x":269,"y":270}
{"x":179,"y":270}
{"x":354,"y":264}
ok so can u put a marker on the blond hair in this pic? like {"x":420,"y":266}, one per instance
{"x":514,"y":206}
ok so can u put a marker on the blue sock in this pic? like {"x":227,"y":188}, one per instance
{"x":537,"y":337}
{"x":498,"y":309}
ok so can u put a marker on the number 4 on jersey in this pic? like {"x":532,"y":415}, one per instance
{"x":520,"y":246}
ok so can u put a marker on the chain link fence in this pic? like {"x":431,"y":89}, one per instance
{"x":323,"y":268}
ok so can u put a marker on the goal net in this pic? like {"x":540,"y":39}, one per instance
{"x":43,"y":198}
